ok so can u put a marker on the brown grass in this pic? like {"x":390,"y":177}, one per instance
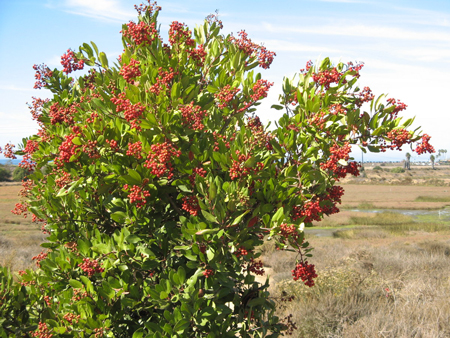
{"x":395,"y":197}
{"x":369,"y":287}
{"x":20,"y":239}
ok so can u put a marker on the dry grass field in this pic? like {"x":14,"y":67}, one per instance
{"x":382,"y":274}
{"x":19,"y":238}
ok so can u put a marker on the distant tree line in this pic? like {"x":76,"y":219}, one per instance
{"x":18,"y":174}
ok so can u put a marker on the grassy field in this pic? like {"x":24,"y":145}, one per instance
{"x":19,"y":238}
{"x":381,"y":274}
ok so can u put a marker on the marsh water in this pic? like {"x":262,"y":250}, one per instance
{"x":435,"y":216}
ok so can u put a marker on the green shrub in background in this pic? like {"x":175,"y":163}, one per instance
{"x":397,"y":170}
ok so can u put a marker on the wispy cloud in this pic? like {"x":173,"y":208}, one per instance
{"x":280,"y":45}
{"x":361,"y":30}
{"x":16,"y":89}
{"x":104,"y":10}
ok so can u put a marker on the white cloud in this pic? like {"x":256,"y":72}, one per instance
{"x":105,"y":10}
{"x":281,"y":45}
{"x":360,"y":30}
{"x":16,"y":89}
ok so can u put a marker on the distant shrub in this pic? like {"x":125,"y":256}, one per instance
{"x":5,"y":174}
{"x":377,"y":168}
{"x":397,"y":170}
{"x":20,"y":174}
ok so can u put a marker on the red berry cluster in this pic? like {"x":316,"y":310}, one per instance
{"x":71,"y":318}
{"x":260,"y":89}
{"x":90,"y":266}
{"x":190,"y":204}
{"x":137,"y":195}
{"x":59,"y":114}
{"x":130,"y":71}
{"x":89,"y":80}
{"x":225,"y":95}
{"x":179,"y":33}
{"x":8,"y":151}
{"x":192,"y":116}
{"x":163,"y":81}
{"x":218,"y":137}
{"x":196,"y":171}
{"x":135,"y":149}
{"x":27,"y":185}
{"x":91,"y":149}
{"x":131,"y":112}
{"x":150,"y":8}
{"x":43,"y":73}
{"x":340,"y":153}
{"x":20,"y":209}
{"x":256,"y":267}
{"x":208,"y":273}
{"x":329,"y":76}
{"x":399,"y":106}
{"x":39,"y":258}
{"x":425,"y":146}
{"x":36,"y":107}
{"x":365,"y":95}
{"x":241,"y":252}
{"x":31,"y":146}
{"x":66,"y":150}
{"x":113,"y":144}
{"x":238,"y":168}
{"x":42,"y":331}
{"x":198,"y":55}
{"x":265,"y":57}
{"x":311,"y":211}
{"x":306,"y":272}
{"x":289,"y":231}
{"x":100,"y":332}
{"x":288,"y":322}
{"x":159,"y":159}
{"x":398,"y":138}
{"x":141,"y":33}
{"x":78,"y":295}
{"x":336,"y":109}
{"x":70,"y":62}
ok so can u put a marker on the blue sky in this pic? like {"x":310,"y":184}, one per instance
{"x":405,"y":46}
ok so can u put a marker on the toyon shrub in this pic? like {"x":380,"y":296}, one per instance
{"x":156,"y":182}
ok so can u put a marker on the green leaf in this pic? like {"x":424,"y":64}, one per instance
{"x":278,"y":215}
{"x":139,"y":333}
{"x":181,"y":274}
{"x":103,"y":60}
{"x":101,"y":248}
{"x":95,"y":47}
{"x":77,"y":141}
{"x":277,"y":107}
{"x":75,"y":284}
{"x":256,"y":302}
{"x":209,"y":216}
{"x":133,"y":239}
{"x":238,"y":219}
{"x":135,"y":175}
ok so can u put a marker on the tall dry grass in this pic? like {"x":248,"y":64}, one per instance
{"x":371,"y":287}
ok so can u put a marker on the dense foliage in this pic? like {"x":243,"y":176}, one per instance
{"x":160,"y":183}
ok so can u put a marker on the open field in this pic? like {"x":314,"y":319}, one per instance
{"x":19,"y":238}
